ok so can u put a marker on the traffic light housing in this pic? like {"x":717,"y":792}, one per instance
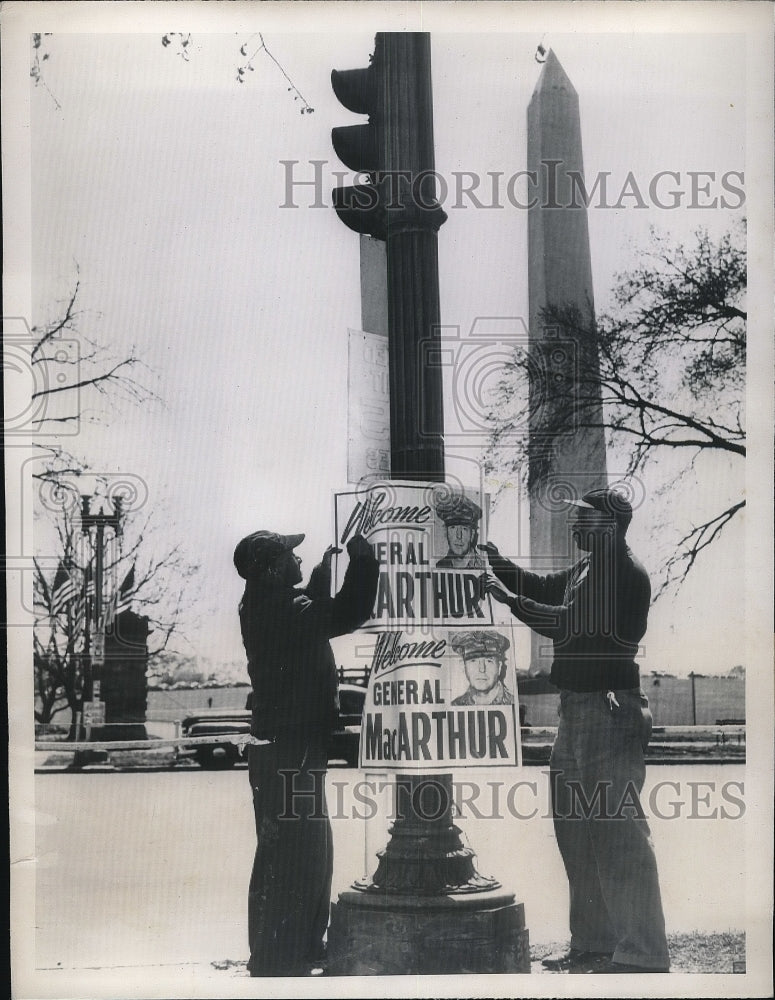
{"x":395,"y":149}
{"x":359,"y":206}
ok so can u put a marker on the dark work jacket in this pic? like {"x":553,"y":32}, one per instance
{"x":290,"y":662}
{"x":595,"y":613}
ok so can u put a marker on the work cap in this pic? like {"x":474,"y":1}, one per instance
{"x":458,"y":509}
{"x":609,"y":501}
{"x":471,"y":645}
{"x":256,"y":551}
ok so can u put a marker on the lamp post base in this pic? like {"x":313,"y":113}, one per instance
{"x":419,"y":863}
{"x":378,"y":934}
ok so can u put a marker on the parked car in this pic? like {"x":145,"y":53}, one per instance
{"x":345,"y":740}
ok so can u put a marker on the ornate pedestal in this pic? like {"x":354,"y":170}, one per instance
{"x":395,"y":935}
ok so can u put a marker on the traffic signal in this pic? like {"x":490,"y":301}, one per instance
{"x":360,"y":147}
{"x":395,"y":148}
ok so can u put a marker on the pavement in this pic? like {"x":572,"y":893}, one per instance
{"x":141,"y":876}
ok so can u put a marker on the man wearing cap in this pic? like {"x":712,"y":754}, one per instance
{"x":286,"y":632}
{"x":484,"y":661}
{"x":460,"y":516}
{"x":596,"y":614}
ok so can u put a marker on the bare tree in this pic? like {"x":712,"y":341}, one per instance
{"x":73,"y":370}
{"x":158,"y":582}
{"x":181,"y":43}
{"x":669,"y":369}
{"x":164,"y":585}
{"x":58,"y":632}
{"x":40,"y":55}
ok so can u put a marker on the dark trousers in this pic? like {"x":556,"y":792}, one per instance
{"x":597,"y":773}
{"x":290,"y":886}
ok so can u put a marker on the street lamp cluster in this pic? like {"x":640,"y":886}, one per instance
{"x":98,"y":514}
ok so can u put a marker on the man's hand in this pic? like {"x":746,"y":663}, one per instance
{"x":495,"y":589}
{"x":358,"y":547}
{"x":332,"y":550}
{"x":490,"y":548}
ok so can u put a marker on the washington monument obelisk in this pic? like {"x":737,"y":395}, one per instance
{"x":566,"y":464}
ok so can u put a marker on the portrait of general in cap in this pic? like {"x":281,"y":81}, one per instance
{"x":460,"y":516}
{"x":484,"y":661}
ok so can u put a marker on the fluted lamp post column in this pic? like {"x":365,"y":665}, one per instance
{"x":425,"y":910}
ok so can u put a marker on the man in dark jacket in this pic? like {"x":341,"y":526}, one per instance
{"x":286,"y":632}
{"x":596,"y":614}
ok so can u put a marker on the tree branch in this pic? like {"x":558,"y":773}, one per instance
{"x":666,"y":374}
{"x":693,"y":543}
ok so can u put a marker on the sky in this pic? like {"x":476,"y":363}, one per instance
{"x":163,"y":179}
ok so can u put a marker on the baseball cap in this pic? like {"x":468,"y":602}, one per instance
{"x":255,"y":552}
{"x":609,"y":501}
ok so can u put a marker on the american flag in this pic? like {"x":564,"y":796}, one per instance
{"x":120,"y":601}
{"x":125,"y":592}
{"x":82,"y":602}
{"x":63,"y":590}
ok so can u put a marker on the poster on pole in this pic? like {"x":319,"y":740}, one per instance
{"x":441,"y":702}
{"x":368,"y":407}
{"x":427,"y":538}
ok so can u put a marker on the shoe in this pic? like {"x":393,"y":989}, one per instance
{"x":318,"y":963}
{"x":615,"y":968}
{"x":575,"y":960}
